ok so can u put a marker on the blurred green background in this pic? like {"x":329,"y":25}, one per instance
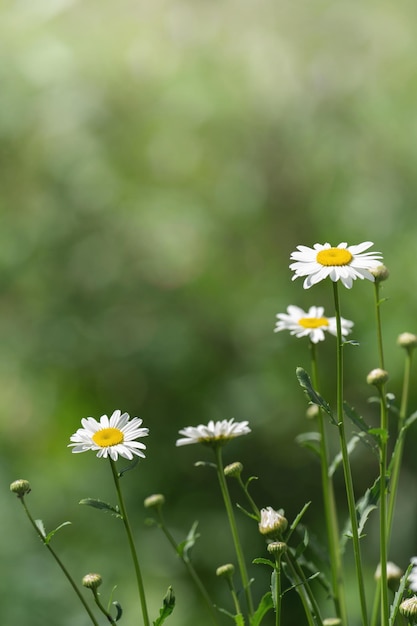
{"x":160,"y":161}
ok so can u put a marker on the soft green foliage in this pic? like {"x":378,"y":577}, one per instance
{"x":159,"y":161}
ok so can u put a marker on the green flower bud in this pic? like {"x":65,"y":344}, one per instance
{"x":226,"y":570}
{"x":233,"y":470}
{"x":277,"y":548}
{"x":272,"y":523}
{"x":377,"y":377}
{"x":20,"y":487}
{"x":92,"y":581}
{"x":408,"y":607}
{"x":380,"y":273}
{"x":155,"y":501}
{"x":407,"y":341}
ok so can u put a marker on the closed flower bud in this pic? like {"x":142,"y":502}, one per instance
{"x":233,"y":470}
{"x":377,"y":377}
{"x":92,"y":581}
{"x":154,"y":501}
{"x":272,"y":523}
{"x":393,"y":571}
{"x":312,"y":411}
{"x":408,"y":608}
{"x":407,"y":341}
{"x":332,"y":621}
{"x":20,"y":487}
{"x":226,"y":570}
{"x":380,"y":273}
{"x":277,"y":548}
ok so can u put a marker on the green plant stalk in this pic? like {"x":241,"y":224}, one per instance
{"x":332,"y":526}
{"x":383,"y":509}
{"x":278,"y":590}
{"x":132,"y":547}
{"x":249,"y":498}
{"x":233,"y":528}
{"x":395,"y":474}
{"x":60,"y":563}
{"x":102,"y":608}
{"x":346,"y":464}
{"x":383,"y":525}
{"x":190,"y":568}
{"x":308,"y":600}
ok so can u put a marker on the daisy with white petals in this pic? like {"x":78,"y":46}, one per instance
{"x":214,"y":432}
{"x":344,"y":263}
{"x":312,"y":324}
{"x":110,"y":437}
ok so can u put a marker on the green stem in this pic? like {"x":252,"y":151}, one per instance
{"x":383,"y":509}
{"x":383,"y":523}
{"x":233,"y":528}
{"x":308,"y":600}
{"x":278,"y":590}
{"x":60,"y":563}
{"x":330,"y":508}
{"x":395,"y":474}
{"x":132,"y":547}
{"x":102,"y":608}
{"x":190,"y":568}
{"x":346,"y":464}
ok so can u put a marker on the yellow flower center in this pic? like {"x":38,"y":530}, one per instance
{"x":108,"y":437}
{"x":334,"y":256}
{"x":313,"y":322}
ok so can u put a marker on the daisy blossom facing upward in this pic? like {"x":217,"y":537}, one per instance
{"x":312,"y":324}
{"x":344,"y":263}
{"x":214,"y":432}
{"x":110,"y":437}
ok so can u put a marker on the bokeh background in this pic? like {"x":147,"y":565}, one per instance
{"x":160,"y":160}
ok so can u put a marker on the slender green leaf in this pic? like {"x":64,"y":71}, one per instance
{"x":40,"y":526}
{"x":119,"y":610}
{"x":297,"y":521}
{"x":184,"y":548}
{"x":312,"y":394}
{"x":265,"y":605}
{"x":355,"y":417}
{"x":262,"y":561}
{"x":167,"y":607}
{"x":310,"y":440}
{"x":102,"y":506}
{"x":52,"y":532}
{"x":399,"y":596}
{"x":248,"y":513}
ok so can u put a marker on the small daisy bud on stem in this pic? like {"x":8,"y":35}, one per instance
{"x":377,"y":377}
{"x":92,"y":581}
{"x":20,"y":487}
{"x":380,"y":273}
{"x":272,"y":523}
{"x":233,"y":470}
{"x":332,"y":621}
{"x":277,"y":548}
{"x":156,"y":500}
{"x":226,"y":570}
{"x":407,"y":341}
{"x":408,"y":608}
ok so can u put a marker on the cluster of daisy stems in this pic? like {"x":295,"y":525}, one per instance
{"x":287,"y":551}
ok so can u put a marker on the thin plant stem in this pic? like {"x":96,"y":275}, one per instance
{"x":278,"y":596}
{"x":102,"y":608}
{"x":190,"y":568}
{"x":395,"y":474}
{"x":132,"y":547}
{"x":383,"y":524}
{"x":346,"y":464}
{"x":308,"y":600}
{"x":233,"y":528}
{"x":60,"y":563}
{"x":383,"y":509}
{"x":332,"y":526}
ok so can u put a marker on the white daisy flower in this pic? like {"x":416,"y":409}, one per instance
{"x":110,"y":437}
{"x":272,"y":522}
{"x":214,"y":432}
{"x":345,"y":263}
{"x":312,"y":324}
